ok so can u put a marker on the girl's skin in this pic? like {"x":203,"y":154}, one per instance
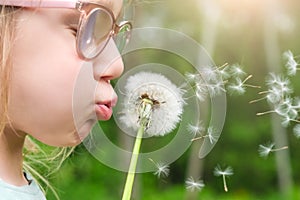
{"x":45,"y":68}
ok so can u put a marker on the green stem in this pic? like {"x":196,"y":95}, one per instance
{"x":225,"y":184}
{"x":133,"y":162}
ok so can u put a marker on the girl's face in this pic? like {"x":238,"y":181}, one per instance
{"x":47,"y":71}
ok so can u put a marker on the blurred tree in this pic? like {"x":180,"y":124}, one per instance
{"x":211,"y":14}
{"x":273,"y":55}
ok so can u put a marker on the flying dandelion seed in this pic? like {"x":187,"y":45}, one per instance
{"x":280,"y":83}
{"x":239,"y":87}
{"x":296,"y":130}
{"x":162,"y":170}
{"x":191,"y":77}
{"x":208,"y":82}
{"x":196,"y":129}
{"x":224,"y":72}
{"x":236,"y":70}
{"x":193,"y":185}
{"x":214,"y":81}
{"x":265,"y":150}
{"x":297,"y":102}
{"x":210,"y":135}
{"x":227,"y":172}
{"x":201,"y":91}
{"x":286,"y":120}
{"x":216,"y":88}
{"x":291,"y":64}
{"x":210,"y":73}
{"x":279,"y":97}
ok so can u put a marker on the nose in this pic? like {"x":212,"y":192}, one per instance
{"x":109,"y":64}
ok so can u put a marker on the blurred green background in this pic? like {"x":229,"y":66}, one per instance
{"x":253,"y":33}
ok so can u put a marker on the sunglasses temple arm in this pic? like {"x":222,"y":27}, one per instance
{"x":42,"y":4}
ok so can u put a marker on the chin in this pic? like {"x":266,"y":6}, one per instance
{"x":73,"y":143}
{"x":76,"y":138}
{"x":70,"y":139}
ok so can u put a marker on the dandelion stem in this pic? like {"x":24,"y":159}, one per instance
{"x":224,"y":183}
{"x":264,"y":92}
{"x":247,"y":85}
{"x":199,"y":138}
{"x":246,"y":79}
{"x":133,"y":162}
{"x":279,"y":149}
{"x":252,"y":86}
{"x":294,"y":120}
{"x":222,"y":66}
{"x":145,"y":113}
{"x":257,"y":100}
{"x":264,"y":113}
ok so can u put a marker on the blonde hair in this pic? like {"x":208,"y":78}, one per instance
{"x":7,"y":19}
{"x":38,"y":158}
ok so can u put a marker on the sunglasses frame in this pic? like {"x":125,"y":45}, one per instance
{"x":85,"y":8}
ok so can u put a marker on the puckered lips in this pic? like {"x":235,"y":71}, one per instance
{"x":104,"y":108}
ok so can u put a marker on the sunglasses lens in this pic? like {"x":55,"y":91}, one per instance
{"x":95,"y":32}
{"x":123,"y":37}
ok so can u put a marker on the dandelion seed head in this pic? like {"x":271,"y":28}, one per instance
{"x":228,"y":171}
{"x":193,"y":185}
{"x":162,"y":170}
{"x":168,"y":106}
{"x":264,"y":150}
{"x":296,"y":130}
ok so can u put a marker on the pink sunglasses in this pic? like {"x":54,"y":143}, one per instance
{"x":96,"y":26}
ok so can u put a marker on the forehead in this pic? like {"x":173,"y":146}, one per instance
{"x":114,"y":5}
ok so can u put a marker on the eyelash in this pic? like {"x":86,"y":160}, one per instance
{"x":74,"y":29}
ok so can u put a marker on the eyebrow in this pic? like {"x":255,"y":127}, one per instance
{"x":71,"y":17}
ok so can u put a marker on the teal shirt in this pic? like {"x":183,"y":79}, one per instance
{"x":26,"y":192}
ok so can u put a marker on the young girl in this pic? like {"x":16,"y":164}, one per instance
{"x":44,"y":45}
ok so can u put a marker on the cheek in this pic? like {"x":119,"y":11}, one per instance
{"x":41,"y":101}
{"x":45,"y":68}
